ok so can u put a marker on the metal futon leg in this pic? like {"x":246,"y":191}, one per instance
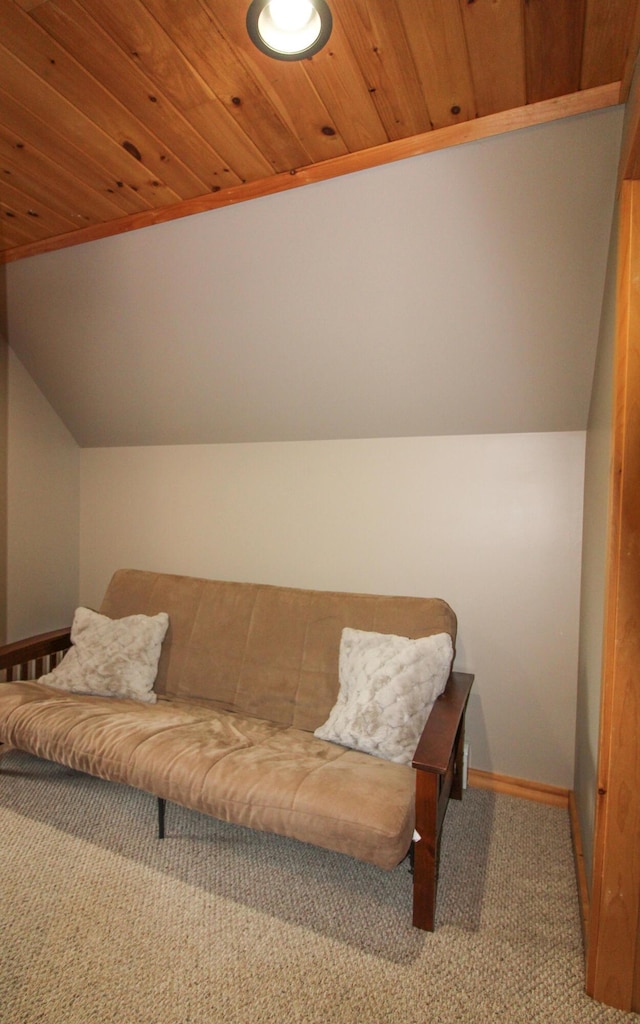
{"x":161,"y":809}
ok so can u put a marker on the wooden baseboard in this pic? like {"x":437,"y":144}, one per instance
{"x":556,"y":797}
{"x":538,"y":791}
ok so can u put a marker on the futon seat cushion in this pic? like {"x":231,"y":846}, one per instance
{"x":235,"y":767}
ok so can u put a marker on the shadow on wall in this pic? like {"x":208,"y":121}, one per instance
{"x":479,"y":746}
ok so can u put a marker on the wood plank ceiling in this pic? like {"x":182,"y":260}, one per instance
{"x":115,"y":114}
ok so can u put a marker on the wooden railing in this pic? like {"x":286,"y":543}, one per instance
{"x":31,"y":658}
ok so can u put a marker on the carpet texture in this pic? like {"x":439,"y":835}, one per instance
{"x":104,"y":924}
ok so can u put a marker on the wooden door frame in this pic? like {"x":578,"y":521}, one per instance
{"x":613,"y":953}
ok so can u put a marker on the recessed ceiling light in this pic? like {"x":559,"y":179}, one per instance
{"x":289,"y":29}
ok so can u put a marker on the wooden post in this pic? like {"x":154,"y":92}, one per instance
{"x":425,"y":858}
{"x":613,"y":956}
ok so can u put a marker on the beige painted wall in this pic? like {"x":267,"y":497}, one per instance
{"x":596,"y":509}
{"x":42,"y":521}
{"x":492,"y":523}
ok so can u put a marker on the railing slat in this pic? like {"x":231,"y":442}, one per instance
{"x":30,"y":658}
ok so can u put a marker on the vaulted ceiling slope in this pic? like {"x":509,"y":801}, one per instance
{"x":457,"y":292}
{"x":116,"y":114}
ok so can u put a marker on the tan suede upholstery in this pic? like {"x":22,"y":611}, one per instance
{"x":246,"y":674}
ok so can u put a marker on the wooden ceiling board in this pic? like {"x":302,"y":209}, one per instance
{"x":343,"y":88}
{"x":39,"y":134}
{"x":13,"y":235}
{"x":436,"y":37}
{"x":494,"y":30}
{"x":37,"y":220}
{"x":195,"y":33}
{"x":608,"y":26}
{"x":553,"y":35}
{"x":33,"y":174}
{"x":288,"y":87}
{"x":126,"y":108}
{"x":145,"y":42}
{"x":70,"y":123}
{"x":68,"y":23}
{"x":11,"y":231}
{"x":47,"y":59}
{"x":382,"y":50}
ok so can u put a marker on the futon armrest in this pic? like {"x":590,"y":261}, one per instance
{"x":438,"y":740}
{"x":35,"y":655}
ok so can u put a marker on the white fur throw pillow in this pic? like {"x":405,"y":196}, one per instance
{"x":388,"y":685}
{"x":111,"y":657}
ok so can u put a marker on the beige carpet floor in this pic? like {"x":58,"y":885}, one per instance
{"x":104,"y":924}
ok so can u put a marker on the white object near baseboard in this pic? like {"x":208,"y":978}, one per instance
{"x":465,"y":765}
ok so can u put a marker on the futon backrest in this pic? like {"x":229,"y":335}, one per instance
{"x":266,"y":651}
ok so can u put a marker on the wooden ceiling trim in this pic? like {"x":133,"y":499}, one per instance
{"x":83,"y":38}
{"x":485,"y":127}
{"x":553,"y":61}
{"x":436,"y":37}
{"x":494,"y":31}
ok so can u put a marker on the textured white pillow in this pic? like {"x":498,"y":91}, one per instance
{"x":388,"y":685}
{"x":111,"y":657}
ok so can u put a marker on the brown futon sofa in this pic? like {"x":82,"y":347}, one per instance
{"x":246,"y":674}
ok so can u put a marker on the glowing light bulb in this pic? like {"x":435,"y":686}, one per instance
{"x":291,"y":15}
{"x":289,"y":29}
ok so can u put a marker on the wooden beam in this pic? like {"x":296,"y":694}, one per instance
{"x":495,"y":39}
{"x":629,"y":166}
{"x":613,"y":956}
{"x":417,"y":145}
{"x":633,"y":48}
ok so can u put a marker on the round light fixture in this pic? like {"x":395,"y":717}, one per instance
{"x":289,"y":29}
